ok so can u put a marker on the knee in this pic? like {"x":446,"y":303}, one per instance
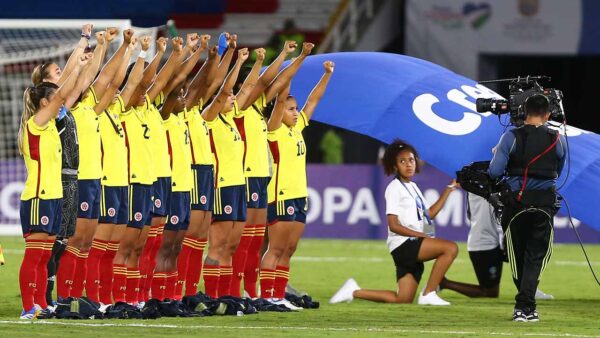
{"x":452,"y":250}
{"x":176,"y":249}
{"x":276,"y":251}
{"x":231,"y":248}
{"x":289,"y":251}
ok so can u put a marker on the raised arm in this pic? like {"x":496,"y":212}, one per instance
{"x":45,"y":114}
{"x":89,"y":72}
{"x":278,"y":110}
{"x":200,"y":83}
{"x":286,"y":75}
{"x":315,"y":95}
{"x":135,"y":77}
{"x":243,"y":95}
{"x":223,"y":67}
{"x":269,"y":74}
{"x":186,"y":67}
{"x":211,"y":112}
{"x":167,"y":70}
{"x":86,"y":32}
{"x":108,"y":71}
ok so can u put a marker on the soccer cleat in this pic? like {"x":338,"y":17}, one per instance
{"x":29,"y":315}
{"x":519,"y":316}
{"x":541,"y":295}
{"x":431,"y":299}
{"x":284,"y":302}
{"x":533,"y":316}
{"x":345,"y":293}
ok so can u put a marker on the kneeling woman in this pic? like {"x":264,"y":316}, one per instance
{"x":407,"y":214}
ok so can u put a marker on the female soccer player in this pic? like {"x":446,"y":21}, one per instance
{"x":288,"y":187}
{"x":189,"y":262}
{"x":137,"y":124}
{"x":254,"y":93}
{"x":41,"y":200}
{"x":230,"y":199}
{"x":407,"y":214}
{"x":51,"y":72}
{"x":114,"y":207}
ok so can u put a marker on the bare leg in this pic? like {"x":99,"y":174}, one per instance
{"x":279,"y":237}
{"x":444,"y":252}
{"x":407,"y":289}
{"x":470,"y":290}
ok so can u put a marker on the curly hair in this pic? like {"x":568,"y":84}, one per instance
{"x":391,"y":153}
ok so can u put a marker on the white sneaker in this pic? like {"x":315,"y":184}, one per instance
{"x":284,"y":302}
{"x":431,"y":299}
{"x":344,"y":294}
{"x":103,"y":307}
{"x":539,"y":294}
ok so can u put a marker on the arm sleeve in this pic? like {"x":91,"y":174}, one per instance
{"x":500,"y":159}
{"x":561,"y":153}
{"x":302,"y":121}
{"x":393,"y":201}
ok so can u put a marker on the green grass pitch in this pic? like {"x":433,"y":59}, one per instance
{"x":320,"y":267}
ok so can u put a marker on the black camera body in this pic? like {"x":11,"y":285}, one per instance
{"x":520,"y":89}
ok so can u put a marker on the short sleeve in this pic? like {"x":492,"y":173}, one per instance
{"x":393,"y":198}
{"x":90,"y":98}
{"x":34,"y":128}
{"x":302,"y":121}
{"x":276,"y":134}
{"x":117,"y":107}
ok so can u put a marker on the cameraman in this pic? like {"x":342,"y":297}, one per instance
{"x":531,"y":158}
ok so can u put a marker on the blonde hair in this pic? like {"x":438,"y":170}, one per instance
{"x":31,"y":104}
{"x":40,"y":73}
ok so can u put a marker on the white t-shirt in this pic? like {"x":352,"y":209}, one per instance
{"x":400,"y":201}
{"x":486,"y":232}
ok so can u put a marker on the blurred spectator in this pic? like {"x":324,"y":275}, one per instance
{"x":332,"y":147}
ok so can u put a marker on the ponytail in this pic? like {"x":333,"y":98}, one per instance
{"x":31,"y":104}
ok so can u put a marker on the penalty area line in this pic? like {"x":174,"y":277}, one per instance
{"x":290,"y":328}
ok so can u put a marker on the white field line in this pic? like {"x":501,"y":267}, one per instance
{"x":290,"y":328}
{"x":333,"y":259}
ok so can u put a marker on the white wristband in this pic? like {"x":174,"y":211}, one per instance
{"x":142,"y":54}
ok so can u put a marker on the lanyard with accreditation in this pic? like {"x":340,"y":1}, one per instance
{"x":422,"y":212}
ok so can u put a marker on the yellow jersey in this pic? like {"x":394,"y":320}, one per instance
{"x":42,"y":152}
{"x":88,"y":134}
{"x":199,"y":136}
{"x":253,"y":129}
{"x":158,"y":138}
{"x":139,"y":148}
{"x":114,"y":150}
{"x":180,"y":158}
{"x":228,"y":150}
{"x":288,"y":151}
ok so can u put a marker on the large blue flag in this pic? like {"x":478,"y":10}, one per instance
{"x":388,"y":96}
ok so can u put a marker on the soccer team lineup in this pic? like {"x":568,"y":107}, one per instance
{"x":179,"y":188}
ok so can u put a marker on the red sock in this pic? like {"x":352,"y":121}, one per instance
{"x":34,"y":250}
{"x":42,"y":275}
{"x":282,"y":275}
{"x":66,"y":270}
{"x":267,"y":281}
{"x":225,"y":275}
{"x":194,"y":269}
{"x":239,"y":260}
{"x":132,"y":285}
{"x":145,"y":284}
{"x":79,"y":275}
{"x":151,"y":261}
{"x":92,"y":280}
{"x":170,"y":284}
{"x":106,"y":272}
{"x":211,"y":280}
{"x":158,"y":285}
{"x":182,"y":264}
{"x":119,"y":282}
{"x":253,"y":261}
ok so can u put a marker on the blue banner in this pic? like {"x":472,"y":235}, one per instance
{"x":388,"y":96}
